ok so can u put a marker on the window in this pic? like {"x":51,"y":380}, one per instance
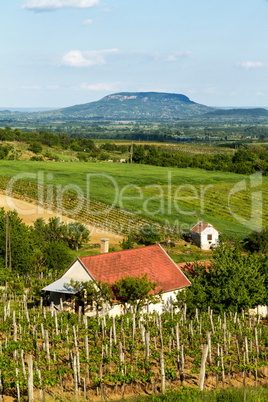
{"x":209,"y":237}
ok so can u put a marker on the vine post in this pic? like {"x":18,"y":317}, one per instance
{"x":203,"y":367}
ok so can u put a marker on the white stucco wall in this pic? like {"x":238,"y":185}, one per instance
{"x":77,"y":272}
{"x":202,"y":239}
{"x":259,"y":310}
{"x":168,"y":298}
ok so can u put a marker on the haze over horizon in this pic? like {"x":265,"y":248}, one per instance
{"x":59,"y":53}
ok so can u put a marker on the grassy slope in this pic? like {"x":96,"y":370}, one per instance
{"x":187,"y":210}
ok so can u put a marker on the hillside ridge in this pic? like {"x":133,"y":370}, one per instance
{"x":138,"y":106}
{"x":124,"y":106}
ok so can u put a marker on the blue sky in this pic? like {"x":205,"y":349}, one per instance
{"x":57,"y":53}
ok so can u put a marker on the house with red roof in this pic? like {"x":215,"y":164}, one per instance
{"x":110,"y":267}
{"x":205,"y":236}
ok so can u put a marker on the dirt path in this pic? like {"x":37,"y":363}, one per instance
{"x":29,"y":212}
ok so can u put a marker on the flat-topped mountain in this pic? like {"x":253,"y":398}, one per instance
{"x":130,"y":106}
{"x":135,"y":106}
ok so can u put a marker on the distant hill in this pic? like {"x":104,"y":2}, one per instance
{"x":138,"y":106}
{"x":128,"y":106}
{"x":135,"y":106}
{"x":252,"y":114}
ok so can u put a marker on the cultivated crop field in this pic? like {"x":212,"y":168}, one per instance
{"x":43,"y":351}
{"x":169,"y":196}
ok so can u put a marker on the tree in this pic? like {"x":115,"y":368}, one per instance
{"x":54,"y":230}
{"x":147,"y":235}
{"x":138,"y":154}
{"x":127,"y":243}
{"x":257,"y":241}
{"x":51,"y":250}
{"x":243,"y":155}
{"x":20,"y":252}
{"x":76,"y":235}
{"x":135,"y":291}
{"x":234,"y":281}
{"x":57,"y":256}
{"x":35,"y":147}
{"x":91,"y":292}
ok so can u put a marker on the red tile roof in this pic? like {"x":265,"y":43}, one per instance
{"x":200,"y":226}
{"x":150,"y":260}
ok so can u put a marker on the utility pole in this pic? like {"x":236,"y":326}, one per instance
{"x":14,"y":144}
{"x":8,"y":244}
{"x":7,"y":224}
{"x":131,"y":152}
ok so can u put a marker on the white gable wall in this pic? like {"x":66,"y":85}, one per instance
{"x":77,"y":272}
{"x":202,"y":241}
{"x":206,"y":244}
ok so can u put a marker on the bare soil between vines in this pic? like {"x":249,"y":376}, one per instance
{"x":115,"y":393}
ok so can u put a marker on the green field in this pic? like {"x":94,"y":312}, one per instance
{"x":166,"y":195}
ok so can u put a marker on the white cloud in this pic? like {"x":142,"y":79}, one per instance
{"x":32,"y":87}
{"x":172,"y":57}
{"x":250,"y":64}
{"x":102,"y":86}
{"x":77,"y":58}
{"x":178,"y":55}
{"x":53,"y":87}
{"x":153,"y":55}
{"x":88,"y":22}
{"x":50,"y":5}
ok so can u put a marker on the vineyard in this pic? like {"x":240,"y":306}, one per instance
{"x":164,"y":196}
{"x":81,"y":209}
{"x":44,"y":351}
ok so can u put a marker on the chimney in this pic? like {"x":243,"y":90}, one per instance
{"x":104,"y":245}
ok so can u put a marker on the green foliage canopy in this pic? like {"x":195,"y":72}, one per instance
{"x":257,"y":241}
{"x":93,"y":292}
{"x":21,"y":242}
{"x":234,"y":281}
{"x":135,"y":291}
{"x":147,"y":235}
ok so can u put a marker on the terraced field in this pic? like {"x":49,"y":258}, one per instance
{"x":123,"y":195}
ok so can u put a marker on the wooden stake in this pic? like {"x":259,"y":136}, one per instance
{"x":203,"y":367}
{"x":182,"y":364}
{"x":75,"y":379}
{"x":162,"y":368}
{"x":6,"y":256}
{"x":18,"y":384}
{"x":30,"y":378}
{"x":222,"y":367}
{"x":209,"y":347}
